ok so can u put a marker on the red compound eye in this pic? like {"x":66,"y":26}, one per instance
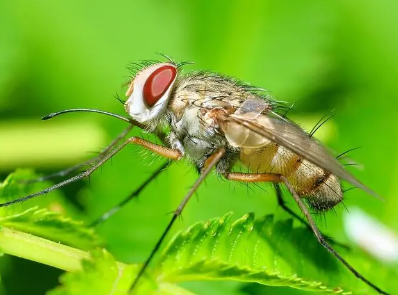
{"x":158,"y":83}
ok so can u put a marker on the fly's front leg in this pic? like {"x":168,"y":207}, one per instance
{"x":76,"y":167}
{"x":158,"y":149}
{"x":172,"y":154}
{"x":91,"y":161}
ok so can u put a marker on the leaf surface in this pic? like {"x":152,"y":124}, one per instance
{"x":265,"y":252}
{"x":42,"y":222}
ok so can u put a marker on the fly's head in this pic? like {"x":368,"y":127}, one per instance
{"x":149,"y":92}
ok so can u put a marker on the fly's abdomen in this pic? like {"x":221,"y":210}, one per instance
{"x":321,"y":189}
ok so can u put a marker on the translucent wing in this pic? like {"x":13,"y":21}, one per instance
{"x":251,"y":129}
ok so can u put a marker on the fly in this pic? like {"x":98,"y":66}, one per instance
{"x":215,"y":122}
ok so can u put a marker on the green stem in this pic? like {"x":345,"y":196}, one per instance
{"x":37,"y":249}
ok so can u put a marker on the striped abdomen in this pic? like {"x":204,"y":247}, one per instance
{"x":321,"y":189}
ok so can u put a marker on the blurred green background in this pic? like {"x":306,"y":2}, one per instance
{"x":323,"y":55}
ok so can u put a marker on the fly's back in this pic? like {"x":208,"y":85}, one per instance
{"x":207,"y":91}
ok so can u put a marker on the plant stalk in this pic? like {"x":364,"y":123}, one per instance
{"x":43,"y":251}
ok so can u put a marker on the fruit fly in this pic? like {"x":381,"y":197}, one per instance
{"x":215,"y":122}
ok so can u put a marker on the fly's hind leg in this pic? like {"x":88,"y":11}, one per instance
{"x":282,"y":204}
{"x":277,"y":178}
{"x":323,"y":241}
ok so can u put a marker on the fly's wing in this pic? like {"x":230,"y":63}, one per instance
{"x":251,"y":131}
{"x":238,"y":136}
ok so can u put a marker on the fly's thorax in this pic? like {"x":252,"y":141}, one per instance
{"x":321,"y":189}
{"x":208,"y":90}
{"x":188,"y":133}
{"x":192,"y":110}
{"x":199,"y":99}
{"x":199,"y":138}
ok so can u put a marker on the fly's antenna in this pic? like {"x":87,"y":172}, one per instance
{"x":322,"y":121}
{"x":52,"y":115}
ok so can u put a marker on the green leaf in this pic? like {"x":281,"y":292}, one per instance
{"x":41,"y":222}
{"x":265,"y":252}
{"x":247,"y":250}
{"x":102,"y":275}
{"x":18,"y":184}
{"x":52,"y":226}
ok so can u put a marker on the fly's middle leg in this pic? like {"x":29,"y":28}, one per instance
{"x":211,"y":162}
{"x":130,"y":197}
